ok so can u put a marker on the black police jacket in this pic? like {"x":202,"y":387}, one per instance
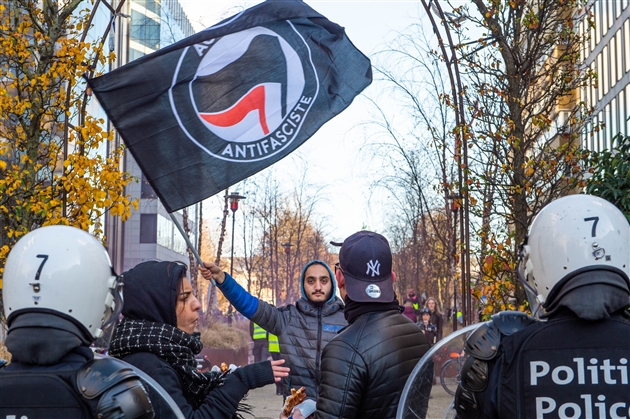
{"x":365,"y":367}
{"x":565,"y":367}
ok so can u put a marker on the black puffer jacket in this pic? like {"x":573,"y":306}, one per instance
{"x":303,"y":329}
{"x":365,"y":368}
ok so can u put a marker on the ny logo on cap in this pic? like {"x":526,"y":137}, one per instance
{"x":373,"y":266}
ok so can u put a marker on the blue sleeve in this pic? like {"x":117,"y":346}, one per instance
{"x":243,"y":302}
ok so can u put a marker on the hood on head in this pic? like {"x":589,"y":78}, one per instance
{"x":332,"y":278}
{"x":150,"y":291}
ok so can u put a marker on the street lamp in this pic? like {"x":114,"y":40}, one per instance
{"x":287,"y":250}
{"x":234,"y":198}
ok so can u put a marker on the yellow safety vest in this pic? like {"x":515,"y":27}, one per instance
{"x":274,"y":346}
{"x":259,"y":332}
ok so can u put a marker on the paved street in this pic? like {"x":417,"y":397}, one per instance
{"x":266,"y":405}
{"x":265,"y":402}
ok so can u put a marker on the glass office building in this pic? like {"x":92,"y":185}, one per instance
{"x":608,"y":54}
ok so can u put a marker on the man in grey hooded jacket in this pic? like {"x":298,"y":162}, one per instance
{"x":303,"y":328}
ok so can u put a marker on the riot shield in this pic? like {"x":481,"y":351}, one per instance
{"x":163,"y":404}
{"x":430,"y":389}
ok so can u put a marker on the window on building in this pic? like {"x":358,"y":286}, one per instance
{"x":598,"y":138}
{"x":612,"y":65}
{"x":608,"y":128}
{"x":600,"y":82}
{"x":593,"y":44}
{"x":604,"y":15}
{"x":614,"y":117}
{"x":618,"y":55}
{"x":164,"y":232}
{"x":626,"y":40}
{"x":148,"y":228}
{"x":604,"y":71}
{"x":623,"y":114}
{"x":151,"y":5}
{"x":597,"y":18}
{"x":179,"y":244}
{"x":144,"y":30}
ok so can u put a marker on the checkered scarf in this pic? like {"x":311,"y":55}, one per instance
{"x":176,"y":347}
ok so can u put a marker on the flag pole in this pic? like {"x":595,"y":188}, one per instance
{"x":188,"y":243}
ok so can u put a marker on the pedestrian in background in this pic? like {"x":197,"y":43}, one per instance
{"x":436,"y":316}
{"x":410,"y":312}
{"x":416,"y":302}
{"x":274,"y":352}
{"x":259,"y":336}
{"x":428,"y":329}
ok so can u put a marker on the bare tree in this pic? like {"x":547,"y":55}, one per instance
{"x":416,"y":148}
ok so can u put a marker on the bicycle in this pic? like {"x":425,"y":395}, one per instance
{"x":450,"y":372}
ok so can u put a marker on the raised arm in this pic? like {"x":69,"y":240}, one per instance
{"x":269,"y":317}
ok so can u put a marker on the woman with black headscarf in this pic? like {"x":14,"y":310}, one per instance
{"x":157,"y":336}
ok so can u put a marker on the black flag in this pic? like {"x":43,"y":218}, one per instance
{"x":219,"y":106}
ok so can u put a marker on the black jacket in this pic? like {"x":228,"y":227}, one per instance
{"x":60,"y":381}
{"x":566,"y":361}
{"x":303,"y":329}
{"x":220,"y":403}
{"x":150,"y":294}
{"x":365,"y":368}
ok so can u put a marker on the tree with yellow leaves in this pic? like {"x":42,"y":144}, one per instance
{"x":58,"y":164}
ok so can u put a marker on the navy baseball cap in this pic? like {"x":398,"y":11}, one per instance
{"x":366,"y":262}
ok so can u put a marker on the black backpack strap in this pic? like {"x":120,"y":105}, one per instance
{"x":121,"y":392}
{"x":482,"y":348}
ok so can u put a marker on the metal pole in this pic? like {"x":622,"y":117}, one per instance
{"x":288,"y":273}
{"x":188,"y":243}
{"x":454,"y":314}
{"x":232,"y":255}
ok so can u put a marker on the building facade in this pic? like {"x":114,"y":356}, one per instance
{"x":608,"y":54}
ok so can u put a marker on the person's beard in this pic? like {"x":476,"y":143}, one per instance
{"x":321,"y":303}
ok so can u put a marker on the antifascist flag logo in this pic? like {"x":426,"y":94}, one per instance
{"x":259,"y":115}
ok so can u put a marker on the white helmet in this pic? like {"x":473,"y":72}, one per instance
{"x":571,"y":235}
{"x":64,"y":269}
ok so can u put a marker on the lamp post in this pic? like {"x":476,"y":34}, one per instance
{"x":287,"y":251}
{"x":234,"y":198}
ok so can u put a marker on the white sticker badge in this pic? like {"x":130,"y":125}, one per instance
{"x":373,"y":291}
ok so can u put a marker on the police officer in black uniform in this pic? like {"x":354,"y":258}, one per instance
{"x":573,"y":362}
{"x":59,"y":291}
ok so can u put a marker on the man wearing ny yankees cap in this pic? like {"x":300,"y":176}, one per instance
{"x":364,"y":369}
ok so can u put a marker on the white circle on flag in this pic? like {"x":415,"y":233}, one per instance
{"x":232,"y":47}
